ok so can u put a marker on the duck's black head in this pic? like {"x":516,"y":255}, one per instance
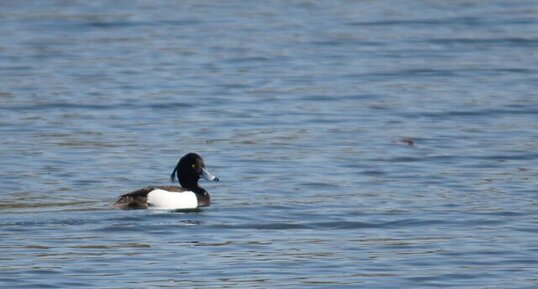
{"x":189,"y":169}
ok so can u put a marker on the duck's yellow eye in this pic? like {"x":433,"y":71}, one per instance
{"x":193,"y":165}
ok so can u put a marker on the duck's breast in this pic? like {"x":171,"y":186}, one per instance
{"x":164,"y":200}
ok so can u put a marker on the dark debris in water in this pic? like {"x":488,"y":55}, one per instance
{"x":409,"y":141}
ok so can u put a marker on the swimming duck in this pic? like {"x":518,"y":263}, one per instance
{"x":190,"y":195}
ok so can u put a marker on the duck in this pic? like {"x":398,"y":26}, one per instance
{"x":189,"y":169}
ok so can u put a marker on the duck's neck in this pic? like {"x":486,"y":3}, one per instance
{"x":194,"y":187}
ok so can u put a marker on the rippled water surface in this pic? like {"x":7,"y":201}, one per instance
{"x":360,"y":144}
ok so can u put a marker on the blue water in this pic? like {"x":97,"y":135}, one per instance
{"x":304,"y":109}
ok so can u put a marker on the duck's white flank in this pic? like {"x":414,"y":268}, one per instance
{"x":164,"y":200}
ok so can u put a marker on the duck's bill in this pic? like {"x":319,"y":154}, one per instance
{"x":206,"y":175}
